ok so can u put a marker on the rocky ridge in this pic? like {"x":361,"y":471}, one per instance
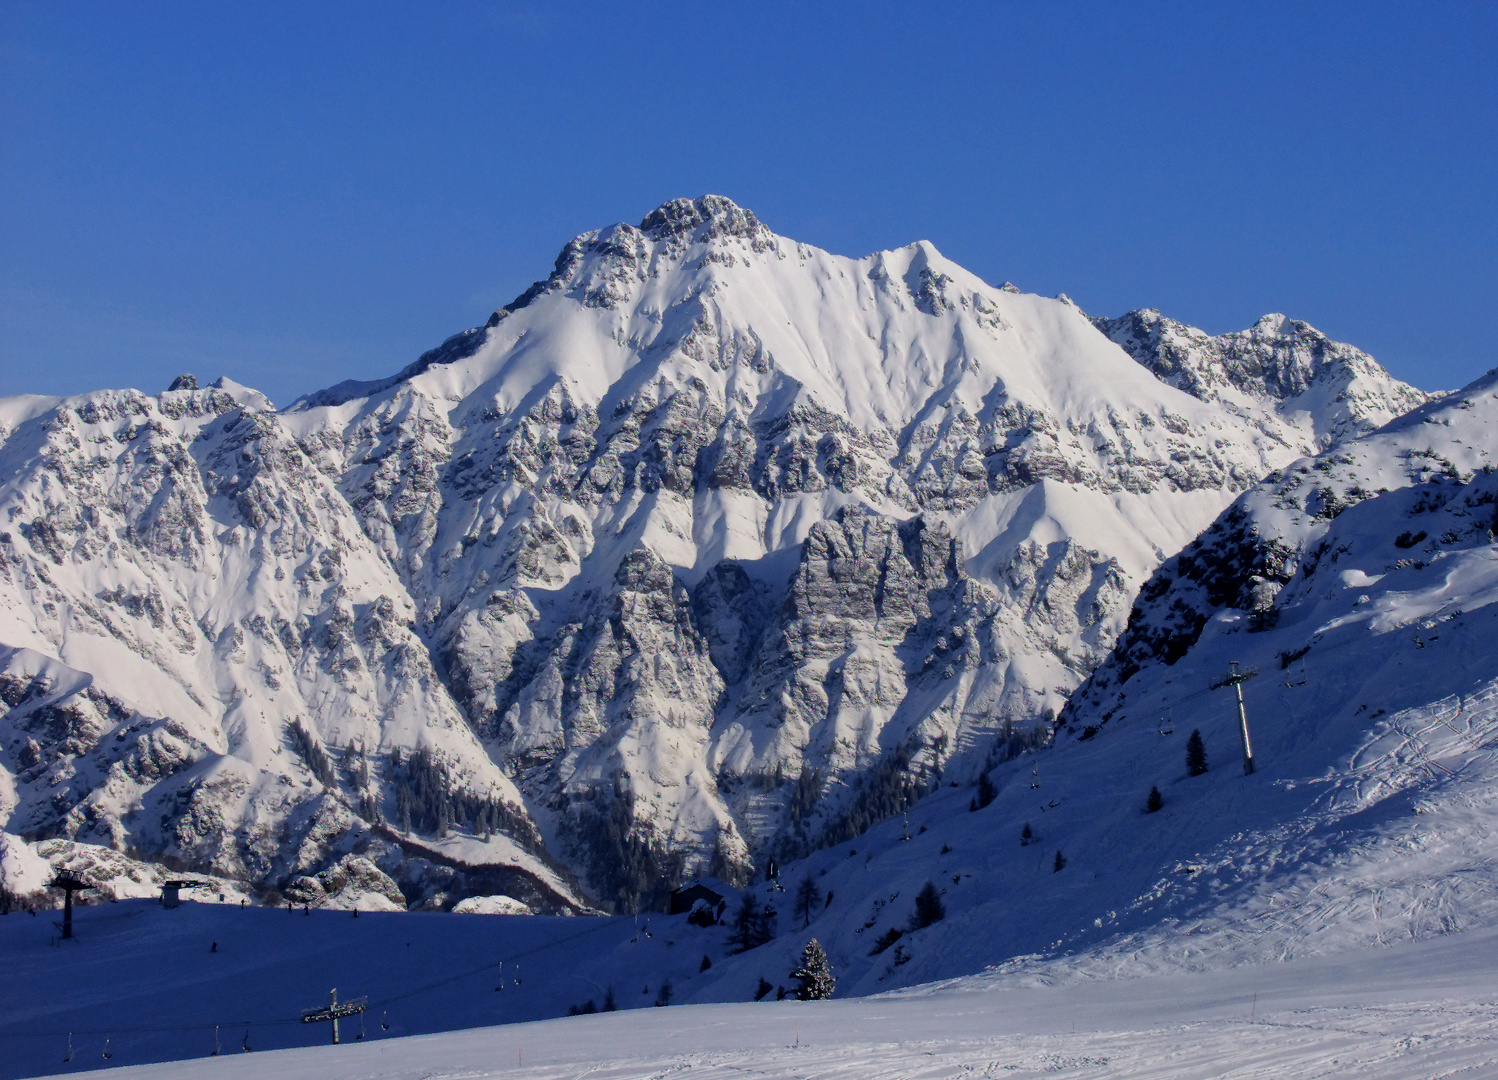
{"x":1284,"y":375}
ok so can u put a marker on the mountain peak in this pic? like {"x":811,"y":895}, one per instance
{"x":706,"y":218}
{"x":1277,"y":325}
{"x":1276,"y":361}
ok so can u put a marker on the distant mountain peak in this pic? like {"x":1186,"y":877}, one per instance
{"x":703,"y":219}
{"x":1280,"y":325}
{"x":1300,"y":385}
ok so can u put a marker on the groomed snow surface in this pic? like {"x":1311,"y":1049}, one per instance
{"x":1419,"y":1009}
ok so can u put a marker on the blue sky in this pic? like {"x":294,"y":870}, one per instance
{"x":295,"y":194}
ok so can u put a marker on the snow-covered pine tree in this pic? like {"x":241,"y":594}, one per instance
{"x":1196,"y":754}
{"x":813,"y":975}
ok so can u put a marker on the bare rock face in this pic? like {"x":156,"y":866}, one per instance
{"x":707,"y":547}
{"x":354,"y":882}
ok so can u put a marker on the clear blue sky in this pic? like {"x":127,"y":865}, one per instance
{"x":296,"y":194}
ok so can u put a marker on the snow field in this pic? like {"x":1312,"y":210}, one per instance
{"x":1417,"y":1010}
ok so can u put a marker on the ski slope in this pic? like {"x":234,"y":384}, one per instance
{"x":1417,"y":1010}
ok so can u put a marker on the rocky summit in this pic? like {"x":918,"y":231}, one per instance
{"x":710,"y":547}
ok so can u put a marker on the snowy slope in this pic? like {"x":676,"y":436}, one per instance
{"x":1359,"y":586}
{"x":710,"y":545}
{"x":1417,"y":1009}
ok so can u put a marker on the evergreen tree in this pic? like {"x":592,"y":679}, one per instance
{"x":610,"y":1003}
{"x":986,"y":793}
{"x":763,"y":989}
{"x":813,"y":975}
{"x":664,"y":995}
{"x":312,"y":752}
{"x":1060,"y":863}
{"x":748,"y":923}
{"x":765,"y":929}
{"x":889,"y":790}
{"x":1026,"y":835}
{"x":1196,"y":754}
{"x":706,"y":963}
{"x":1154,"y":802}
{"x":808,"y":896}
{"x":928,"y":907}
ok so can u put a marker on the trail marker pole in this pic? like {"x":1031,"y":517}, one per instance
{"x":1236,"y":679}
{"x":334,"y":1012}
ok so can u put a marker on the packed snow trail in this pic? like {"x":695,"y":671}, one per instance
{"x":1415,"y":1010}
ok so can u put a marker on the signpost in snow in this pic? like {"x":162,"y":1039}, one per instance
{"x":1236,"y":679}
{"x":335,"y":1011}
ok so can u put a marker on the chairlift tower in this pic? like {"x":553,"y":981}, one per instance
{"x":335,"y":1012}
{"x":1236,"y":678}
{"x":69,"y":883}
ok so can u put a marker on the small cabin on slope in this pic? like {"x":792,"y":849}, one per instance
{"x":686,"y":897}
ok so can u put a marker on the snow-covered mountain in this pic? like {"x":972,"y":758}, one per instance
{"x":1281,"y":375}
{"x":1355,"y":589}
{"x":201,"y":655}
{"x":709,"y":545}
